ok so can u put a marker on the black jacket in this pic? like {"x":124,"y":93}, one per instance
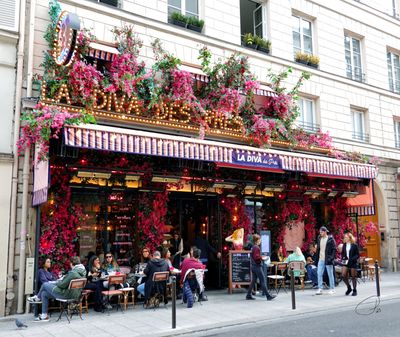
{"x":330,"y":250}
{"x":354,"y":254}
{"x":153,"y":266}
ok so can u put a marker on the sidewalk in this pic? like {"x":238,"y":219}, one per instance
{"x":221,"y":310}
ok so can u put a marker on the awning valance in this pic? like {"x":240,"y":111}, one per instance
{"x":363,"y":204}
{"x":108,"y":138}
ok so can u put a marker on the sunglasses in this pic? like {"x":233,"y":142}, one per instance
{"x":108,"y":256}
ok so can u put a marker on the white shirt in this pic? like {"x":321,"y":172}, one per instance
{"x":322,"y":248}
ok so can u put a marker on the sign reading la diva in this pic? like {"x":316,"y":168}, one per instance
{"x":256,"y":159}
{"x":108,"y":105}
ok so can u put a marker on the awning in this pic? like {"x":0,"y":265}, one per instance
{"x":99,"y":137}
{"x":102,"y":52}
{"x":363,"y":204}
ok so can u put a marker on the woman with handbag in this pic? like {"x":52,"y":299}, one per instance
{"x":350,"y":255}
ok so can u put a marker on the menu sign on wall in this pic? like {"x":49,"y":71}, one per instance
{"x":239,"y":268}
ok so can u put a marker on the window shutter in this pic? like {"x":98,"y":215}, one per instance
{"x":8,"y":14}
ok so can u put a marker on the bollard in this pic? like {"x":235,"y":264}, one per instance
{"x":173,"y":302}
{"x":378,"y":289}
{"x":292,"y":289}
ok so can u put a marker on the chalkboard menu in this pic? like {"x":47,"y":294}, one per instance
{"x":239,"y":268}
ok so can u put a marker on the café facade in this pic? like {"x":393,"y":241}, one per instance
{"x":138,"y":174}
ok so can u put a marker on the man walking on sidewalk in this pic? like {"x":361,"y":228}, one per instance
{"x":326,"y":251}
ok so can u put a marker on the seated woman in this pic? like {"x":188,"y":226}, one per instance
{"x":95,"y":282}
{"x":297,"y":255}
{"x":45,"y":274}
{"x":278,"y":255}
{"x":176,"y":249}
{"x":109,"y":264}
{"x":236,"y":238}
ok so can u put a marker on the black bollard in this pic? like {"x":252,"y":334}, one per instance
{"x":378,"y":288}
{"x":173,"y":302}
{"x":292,"y":288}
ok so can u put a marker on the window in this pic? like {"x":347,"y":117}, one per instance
{"x":307,"y":119}
{"x":109,"y":2}
{"x":9,"y":15}
{"x":302,"y":35}
{"x":253,"y":18}
{"x":186,"y":7}
{"x":359,"y":129}
{"x":393,"y":62}
{"x":397,"y":133}
{"x":352,"y":48}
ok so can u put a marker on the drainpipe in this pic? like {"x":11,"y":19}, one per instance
{"x":10,"y":295}
{"x":26,"y":170}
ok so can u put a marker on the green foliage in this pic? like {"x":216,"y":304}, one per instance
{"x":179,"y":17}
{"x":194,"y":21}
{"x":248,"y":39}
{"x":261,"y":42}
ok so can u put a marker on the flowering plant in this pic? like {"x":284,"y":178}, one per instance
{"x":45,"y":122}
{"x":59,"y":221}
{"x":152,"y":220}
{"x":84,"y":79}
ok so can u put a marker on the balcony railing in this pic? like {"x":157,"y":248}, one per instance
{"x":309,"y":127}
{"x":360,"y":136}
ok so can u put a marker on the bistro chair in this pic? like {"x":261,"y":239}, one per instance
{"x":70,"y":306}
{"x":114,"y":280}
{"x":160,"y":279}
{"x":279,"y":277}
{"x":85,"y":299}
{"x":298,"y":266}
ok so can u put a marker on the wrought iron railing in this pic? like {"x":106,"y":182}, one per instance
{"x":360,"y":136}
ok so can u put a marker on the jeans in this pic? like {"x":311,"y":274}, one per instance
{"x":97,"y":287}
{"x":257,"y":272}
{"x":329,"y":269}
{"x":312,"y":274}
{"x":140,"y":289}
{"x":47,"y":292}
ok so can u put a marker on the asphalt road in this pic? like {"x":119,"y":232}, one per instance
{"x":383,"y":322}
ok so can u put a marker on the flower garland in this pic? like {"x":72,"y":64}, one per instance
{"x":59,"y":221}
{"x":152,"y":220}
{"x":45,"y":122}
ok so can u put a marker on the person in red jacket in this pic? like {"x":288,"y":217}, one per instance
{"x":257,"y":270}
{"x":191,"y":262}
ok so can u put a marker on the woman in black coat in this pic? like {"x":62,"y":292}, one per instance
{"x":350,"y":255}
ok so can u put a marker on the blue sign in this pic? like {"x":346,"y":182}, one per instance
{"x":256,"y":159}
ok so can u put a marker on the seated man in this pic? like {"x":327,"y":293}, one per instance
{"x":190,"y":279}
{"x":60,"y":289}
{"x":156,"y":264}
{"x":311,"y":268}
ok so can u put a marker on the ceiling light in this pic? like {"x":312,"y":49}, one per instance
{"x":224,"y":185}
{"x":88,"y":174}
{"x":333,"y":193}
{"x":132,"y":177}
{"x":349,"y":194}
{"x":165,"y":179}
{"x":274,"y":188}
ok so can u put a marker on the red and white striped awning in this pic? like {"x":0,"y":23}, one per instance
{"x":99,"y":137}
{"x":102,"y":52}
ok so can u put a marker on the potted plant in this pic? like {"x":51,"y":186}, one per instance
{"x":313,"y":61}
{"x":248,"y":41}
{"x":262,"y":44}
{"x":302,"y":57}
{"x":179,"y":19}
{"x":195,"y":24}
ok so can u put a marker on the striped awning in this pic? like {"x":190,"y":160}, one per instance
{"x":99,"y":137}
{"x":102,"y":52}
{"x":363,"y":204}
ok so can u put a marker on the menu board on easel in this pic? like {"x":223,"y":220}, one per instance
{"x":239,"y":268}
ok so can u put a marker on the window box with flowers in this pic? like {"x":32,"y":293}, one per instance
{"x":249,"y":41}
{"x":195,"y":24}
{"x":307,"y":59}
{"x":263,"y":45}
{"x":179,"y":19}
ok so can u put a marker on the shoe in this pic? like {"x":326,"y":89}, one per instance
{"x":250,"y":298}
{"x":34,"y":299}
{"x":331,"y":292}
{"x":270,"y":297}
{"x":319,"y":292}
{"x":41,"y":318}
{"x":348,"y":291}
{"x":354,"y":293}
{"x":315,"y":286}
